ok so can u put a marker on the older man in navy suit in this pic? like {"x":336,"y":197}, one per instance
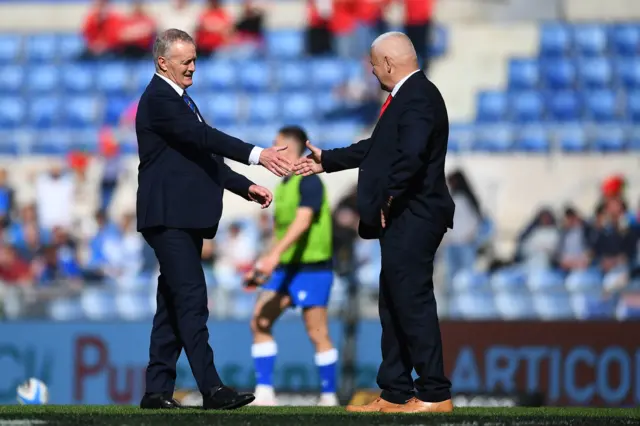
{"x":181,"y":180}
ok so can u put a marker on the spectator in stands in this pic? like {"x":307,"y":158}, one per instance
{"x":180,"y":17}
{"x":249,"y":35}
{"x":370,"y":22}
{"x":101,"y":31}
{"x":123,"y":253}
{"x":214,"y":30}
{"x":460,"y":242}
{"x":6,"y":199}
{"x":265,"y":227}
{"x":418,"y":23}
{"x":57,"y":269}
{"x":113,"y":166}
{"x":343,"y":26}
{"x":574,"y":248}
{"x":237,"y":258}
{"x":55,"y":192}
{"x":31,"y":244}
{"x":615,"y":245}
{"x":13,"y":269}
{"x":319,"y":39}
{"x":137,"y":33}
{"x":97,"y":267}
{"x":538,"y":243}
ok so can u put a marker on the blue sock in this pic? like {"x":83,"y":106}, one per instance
{"x":264,"y":359}
{"x":326,"y":362}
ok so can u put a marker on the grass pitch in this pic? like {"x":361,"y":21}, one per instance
{"x":309,"y":416}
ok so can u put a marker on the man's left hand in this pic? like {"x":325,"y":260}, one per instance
{"x":268,"y":263}
{"x":260,"y":195}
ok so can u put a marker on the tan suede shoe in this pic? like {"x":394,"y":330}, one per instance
{"x":417,"y":406}
{"x":377,"y":405}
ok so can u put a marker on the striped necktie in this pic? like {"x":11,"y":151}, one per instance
{"x":189,"y":101}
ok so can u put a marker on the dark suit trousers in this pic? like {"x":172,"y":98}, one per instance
{"x":181,"y":315}
{"x":408,"y":314}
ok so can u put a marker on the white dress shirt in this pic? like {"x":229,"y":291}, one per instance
{"x":254,"y":156}
{"x":400,"y":83}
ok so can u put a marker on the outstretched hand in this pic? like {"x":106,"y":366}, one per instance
{"x":272,"y":159}
{"x":311,"y":164}
{"x":261,"y":195}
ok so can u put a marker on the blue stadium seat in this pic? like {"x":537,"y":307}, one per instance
{"x":13,"y":77}
{"x":524,"y":74}
{"x":44,"y":112}
{"x":221,"y":108}
{"x":263,"y":108}
{"x":558,"y":73}
{"x":114,"y":107}
{"x":628,"y":72}
{"x":609,"y":138}
{"x":328,"y":73}
{"x":545,"y":280}
{"x":53,"y":141}
{"x":571,"y":137}
{"x":297,"y":107}
{"x":85,"y":140}
{"x":527,"y":106}
{"x":438,"y":42}
{"x":255,"y":75}
{"x":563,"y":106}
{"x":10,"y":48}
{"x":601,"y":105}
{"x":595,"y":73}
{"x":70,"y":46}
{"x":292,"y":75}
{"x":15,"y":141}
{"x":285,"y":43}
{"x":81,"y":111}
{"x":584,"y":281}
{"x":509,"y":279}
{"x":633,"y":106}
{"x":625,"y":39}
{"x":593,"y":306}
{"x":142,"y":73}
{"x":113,"y":77}
{"x":339,"y":134}
{"x":461,"y":137}
{"x":553,"y":305}
{"x":628,"y":308}
{"x":473,"y":305}
{"x":492,"y":106}
{"x":217,"y":74}
{"x":239,"y":131}
{"x":12,"y":111}
{"x":326,"y":102}
{"x":532,"y":138}
{"x":43,"y":79}
{"x":496,"y":137}
{"x":555,"y":40}
{"x":77,"y":77}
{"x":65,"y":309}
{"x":133,"y":306}
{"x":470,"y":280}
{"x":98,"y":304}
{"x":515,"y":304}
{"x":262,"y":135}
{"x":41,"y":47}
{"x":590,"y":39}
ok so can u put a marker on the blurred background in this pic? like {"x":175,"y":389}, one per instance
{"x":538,"y":284}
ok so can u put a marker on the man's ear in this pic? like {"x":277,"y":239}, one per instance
{"x":162,"y":63}
{"x":388,"y":64}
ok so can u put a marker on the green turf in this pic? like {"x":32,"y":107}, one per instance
{"x":312,"y":416}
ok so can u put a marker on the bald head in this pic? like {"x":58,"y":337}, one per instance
{"x":393,"y":58}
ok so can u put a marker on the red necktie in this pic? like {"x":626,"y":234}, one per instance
{"x":385,"y":105}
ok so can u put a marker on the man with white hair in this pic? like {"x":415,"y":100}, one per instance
{"x":404,"y":202}
{"x":181,"y":179}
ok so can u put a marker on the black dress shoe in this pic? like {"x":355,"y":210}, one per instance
{"x":158,"y":401}
{"x":225,"y":398}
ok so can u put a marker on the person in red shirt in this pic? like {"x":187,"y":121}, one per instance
{"x":137,"y":32}
{"x":370,"y":22}
{"x":343,"y":26}
{"x":215,"y":28}
{"x":418,"y":20}
{"x":101,"y":31}
{"x":13,"y":270}
{"x":319,"y":40}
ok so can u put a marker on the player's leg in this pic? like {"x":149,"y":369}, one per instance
{"x":269,"y":306}
{"x":311,"y":291}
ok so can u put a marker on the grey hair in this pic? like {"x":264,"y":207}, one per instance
{"x":393,"y":34}
{"x":165,"y":39}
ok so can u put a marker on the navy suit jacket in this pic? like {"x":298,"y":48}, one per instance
{"x":182,"y":174}
{"x":404,"y":159}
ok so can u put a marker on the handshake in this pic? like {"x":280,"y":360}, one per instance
{"x":273,"y":160}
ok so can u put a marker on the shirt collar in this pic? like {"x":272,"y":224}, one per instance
{"x":400,"y":83}
{"x":175,"y":87}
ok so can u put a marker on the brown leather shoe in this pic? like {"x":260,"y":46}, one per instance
{"x":377,"y":405}
{"x":417,"y":406}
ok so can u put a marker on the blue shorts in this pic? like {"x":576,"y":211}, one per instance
{"x":306,"y":288}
